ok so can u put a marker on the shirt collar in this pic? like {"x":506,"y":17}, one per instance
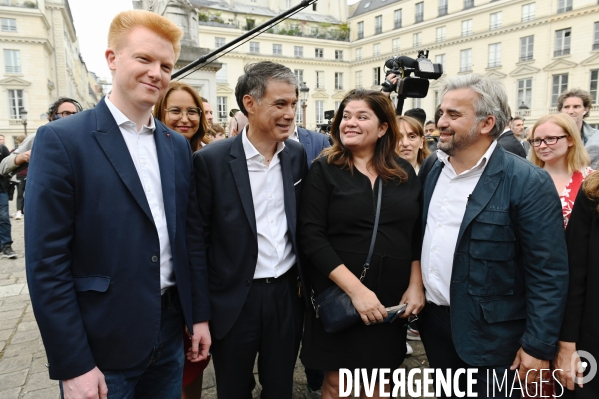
{"x":122,"y":119}
{"x":251,"y":151}
{"x":294,"y":135}
{"x":481,"y":164}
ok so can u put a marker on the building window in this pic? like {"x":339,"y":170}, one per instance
{"x":378,"y":24}
{"x":467,"y":27}
{"x":376,"y":49}
{"x":376,"y":76}
{"x":417,"y":39}
{"x":562,"y":42}
{"x":466,"y":60}
{"x":299,"y":74}
{"x":223,"y":112}
{"x":254,"y":47}
{"x":318,"y":53}
{"x":416,"y":102}
{"x":596,"y":36}
{"x":319,"y":112}
{"x":299,"y":117}
{"x":277,"y":49}
{"x":397,"y":19}
{"x":495,"y":21}
{"x":337,"y":105}
{"x":440,"y":59}
{"x":15,"y":103}
{"x":440,"y":34}
{"x":437,"y":99}
{"x":395,"y":45}
{"x":419,"y":17}
{"x":338,"y":54}
{"x":494,"y":55}
{"x":219,"y":42}
{"x":442,"y":7}
{"x":358,"y":79}
{"x":468,"y":4}
{"x":360,"y":30}
{"x":525,"y":92}
{"x":320,"y":79}
{"x":298,"y":51}
{"x":559,"y":84}
{"x":593,"y":88}
{"x":526,"y":48}
{"x":358,"y":54}
{"x":338,"y":80}
{"x":564,"y":6}
{"x":12,"y":61}
{"x":221,"y":74}
{"x":528,"y":12}
{"x":8,"y":24}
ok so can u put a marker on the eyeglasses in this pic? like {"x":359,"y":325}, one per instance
{"x":64,"y":114}
{"x":193,"y":114}
{"x":551,"y":140}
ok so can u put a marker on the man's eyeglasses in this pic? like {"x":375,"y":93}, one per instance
{"x":551,"y":140}
{"x":64,"y":114}
{"x":193,"y":114}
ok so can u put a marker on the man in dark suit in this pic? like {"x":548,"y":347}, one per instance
{"x":114,"y":256}
{"x":494,"y":260}
{"x":250,"y":186}
{"x":313,"y":142}
{"x":510,"y":143}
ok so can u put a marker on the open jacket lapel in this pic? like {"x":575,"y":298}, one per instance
{"x":288,"y":190}
{"x":242,"y":180}
{"x":429,"y":187}
{"x":166,"y":162}
{"x":113,"y":144}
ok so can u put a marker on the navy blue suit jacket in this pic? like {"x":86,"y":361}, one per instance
{"x":509,"y":279}
{"x":313,"y":142}
{"x":229,"y":222}
{"x":92,"y":249}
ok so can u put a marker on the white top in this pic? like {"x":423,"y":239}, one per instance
{"x":275,"y":252}
{"x":445,"y":214}
{"x":142,"y":148}
{"x":294,"y":135}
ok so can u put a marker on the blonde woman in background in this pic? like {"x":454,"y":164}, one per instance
{"x":412,"y":144}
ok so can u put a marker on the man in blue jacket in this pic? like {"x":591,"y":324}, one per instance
{"x":494,"y":260}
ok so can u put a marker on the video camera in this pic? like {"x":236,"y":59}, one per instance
{"x":408,"y":86}
{"x":326,"y":127}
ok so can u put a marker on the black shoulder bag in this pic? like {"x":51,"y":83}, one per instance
{"x":333,"y":306}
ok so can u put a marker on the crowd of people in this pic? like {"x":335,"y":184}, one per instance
{"x":154,"y":247}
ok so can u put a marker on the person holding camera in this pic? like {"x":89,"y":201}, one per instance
{"x":5,"y":227}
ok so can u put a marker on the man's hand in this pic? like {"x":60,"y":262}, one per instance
{"x":524,"y":362}
{"x":90,"y":385}
{"x":563,"y":365}
{"x":200,"y":342}
{"x":23,"y":158}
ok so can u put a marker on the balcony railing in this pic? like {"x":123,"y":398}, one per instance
{"x":526,"y":57}
{"x":558,"y":53}
{"x":494,"y":64}
{"x":360,"y":35}
{"x":495,"y":26}
{"x":440,"y":38}
{"x":564,"y":9}
{"x":529,"y":17}
{"x":595,"y":46}
{"x":467,"y":68}
{"x":467,"y":32}
{"x":397,"y":24}
{"x":378,"y":30}
{"x":443,"y":10}
{"x":19,"y":3}
{"x":416,"y":43}
{"x":468,"y":4}
{"x":523,"y":112}
{"x":419,"y":17}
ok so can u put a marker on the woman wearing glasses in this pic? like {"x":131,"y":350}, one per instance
{"x":181,"y":110}
{"x":559,"y":150}
{"x":412,"y":146}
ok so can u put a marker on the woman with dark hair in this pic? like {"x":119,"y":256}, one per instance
{"x":181,"y":110}
{"x":336,"y":222}
{"x":412,"y":144}
{"x":580,"y":327}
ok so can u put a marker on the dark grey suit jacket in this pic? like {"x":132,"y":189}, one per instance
{"x":510,"y":143}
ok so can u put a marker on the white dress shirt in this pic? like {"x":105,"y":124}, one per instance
{"x":445,"y":213}
{"x":275,"y":252}
{"x":142,"y":148}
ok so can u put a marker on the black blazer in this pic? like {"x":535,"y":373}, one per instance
{"x":510,"y":143}
{"x":581,"y":324}
{"x":229,"y":223}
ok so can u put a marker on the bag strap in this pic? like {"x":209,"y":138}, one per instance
{"x":374,"y":230}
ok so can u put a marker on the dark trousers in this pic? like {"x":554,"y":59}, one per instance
{"x":270,"y":325}
{"x":21,"y":193}
{"x":435,"y":331}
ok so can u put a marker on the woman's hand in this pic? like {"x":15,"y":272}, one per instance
{"x":414,"y":297}
{"x":368,"y":305}
{"x":562,"y":364}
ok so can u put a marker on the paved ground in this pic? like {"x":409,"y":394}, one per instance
{"x":22,"y":356}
